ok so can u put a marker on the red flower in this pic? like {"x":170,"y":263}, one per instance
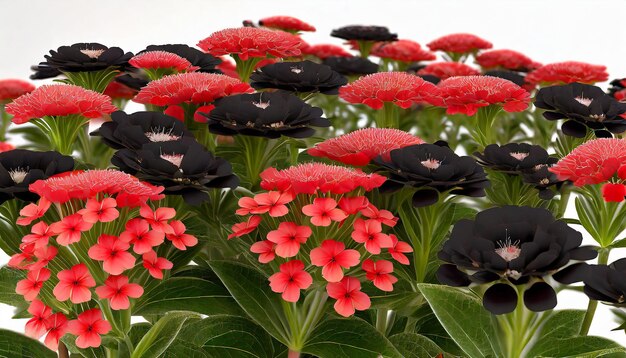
{"x":272,"y":202}
{"x":112,"y":251}
{"x":360,"y":147}
{"x":323,"y":51}
{"x":155,"y":265}
{"x":246,"y":205}
{"x":31,"y":285}
{"x":244,"y":228}
{"x":39,"y":234}
{"x":24,"y":259}
{"x":459,"y":43}
{"x":353,"y":205}
{"x":228,"y":67}
{"x":507,"y":59}
{"x":265,"y":249}
{"x":369,"y":232}
{"x":117,"y":290}
{"x":445,"y":70}
{"x":5,"y":147}
{"x":399,"y":249}
{"x":349,"y":296}
{"x":143,"y":239}
{"x":36,"y":326}
{"x":59,"y":100}
{"x":290,"y":280}
{"x":129,"y":191}
{"x":286,"y":23}
{"x":251,"y":42}
{"x":382,"y":216}
{"x":116,"y":90}
{"x":74,"y":284}
{"x":379,"y":272}
{"x":179,"y":239}
{"x":44,"y":255}
{"x":100,"y":211}
{"x":402,"y":50}
{"x":400,"y":88}
{"x":612,"y":192}
{"x":11,"y":89}
{"x":288,"y":238}
{"x":88,"y":327}
{"x":69,"y":229}
{"x":593,"y":162}
{"x":190,"y":87}
{"x":333,"y":256}
{"x":57,"y":328}
{"x":161,"y":59}
{"x":309,"y":178}
{"x":323,"y":211}
{"x":567,"y":72}
{"x":32,"y":212}
{"x":158,"y":218}
{"x":465,"y":94}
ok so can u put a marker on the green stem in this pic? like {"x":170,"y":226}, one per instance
{"x":387,"y":116}
{"x":381,"y":320}
{"x":245,"y":67}
{"x":482,"y":131}
{"x":365,"y":47}
{"x":603,"y":258}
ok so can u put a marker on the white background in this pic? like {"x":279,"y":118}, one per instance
{"x":546,"y":30}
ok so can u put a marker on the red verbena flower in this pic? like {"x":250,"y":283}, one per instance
{"x":369,"y":232}
{"x":179,"y":239}
{"x":36,"y":326}
{"x":40,"y":234}
{"x":265,"y":249}
{"x":57,"y":328}
{"x":613,"y":192}
{"x":158,"y":219}
{"x":272,"y":202}
{"x":459,"y":43}
{"x":246,"y":227}
{"x":402,"y":50}
{"x":117,"y":290}
{"x":288,"y":238}
{"x":88,"y":327}
{"x":190,"y":87}
{"x":286,"y":23}
{"x":353,"y":205}
{"x":59,"y":100}
{"x":44,"y":255}
{"x":507,"y":59}
{"x":399,"y":249}
{"x":69,"y":229}
{"x":161,"y":59}
{"x":31,"y":285}
{"x":465,"y":94}
{"x":348,"y":295}
{"x":32,"y":212}
{"x":333,"y":257}
{"x":443,"y":70}
{"x":11,"y":89}
{"x":323,"y":212}
{"x":290,"y":280}
{"x":74,"y":284}
{"x":112,"y":251}
{"x":567,"y":72}
{"x":400,"y":88}
{"x":360,"y":147}
{"x":100,"y":211}
{"x":379,"y":272}
{"x":323,"y":51}
{"x":248,"y":42}
{"x":155,"y":265}
{"x":384,"y":217}
{"x":139,"y":235}
{"x":24,"y":259}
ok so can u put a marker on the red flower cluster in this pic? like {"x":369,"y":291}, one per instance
{"x":507,"y":59}
{"x":10,"y":89}
{"x":248,"y":42}
{"x":161,"y":59}
{"x":466,"y":94}
{"x":567,"y":72}
{"x":459,"y":43}
{"x":400,"y":88}
{"x":444,"y":70}
{"x":361,"y":146}
{"x":302,"y":247}
{"x":312,"y":178}
{"x":59,"y":100}
{"x":286,"y":23}
{"x":402,"y":50}
{"x":323,"y":51}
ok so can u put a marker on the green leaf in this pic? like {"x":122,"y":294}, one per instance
{"x":251,"y":290}
{"x":137,"y":331}
{"x":412,"y":345}
{"x":8,"y":280}
{"x":563,"y":324}
{"x":618,"y":244}
{"x":162,"y":334}
{"x":347,"y":338}
{"x":13,"y":344}
{"x":464,"y":318}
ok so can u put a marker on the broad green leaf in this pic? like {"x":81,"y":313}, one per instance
{"x":412,"y":345}
{"x":181,"y":349}
{"x":137,"y":331}
{"x":563,"y":324}
{"x":429,"y":327}
{"x":162,"y":334}
{"x":97,"y":352}
{"x":8,"y":280}
{"x":347,"y":338}
{"x":14,"y":345}
{"x":464,"y":318}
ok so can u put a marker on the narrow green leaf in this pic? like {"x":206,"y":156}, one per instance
{"x":14,"y":345}
{"x":162,"y":334}
{"x":8,"y":280}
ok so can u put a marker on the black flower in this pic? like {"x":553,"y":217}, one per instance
{"x":432,"y":169}
{"x":265,"y":114}
{"x":512,"y":76}
{"x":351,"y":66}
{"x":304,"y":76}
{"x":510,"y":245}
{"x":19,"y":168}
{"x":133,"y":80}
{"x":515,"y":158}
{"x":132,"y":131}
{"x":602,"y":283}
{"x":81,"y":57}
{"x":584,"y":106}
{"x":204,"y":61}
{"x":183,"y":167}
{"x":364,"y":33}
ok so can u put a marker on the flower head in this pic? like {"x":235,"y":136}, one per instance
{"x":246,"y":227}
{"x":100,"y":211}
{"x":248,"y":42}
{"x":402,"y":50}
{"x":349,"y":297}
{"x":155,"y":265}
{"x":31,"y":285}
{"x":444,"y":70}
{"x":118,"y":291}
{"x":288,"y":238}
{"x":11,"y":89}
{"x":265,"y":249}
{"x":118,"y":90}
{"x":69,"y":229}
{"x":74,"y":284}
{"x":88,"y":327}
{"x":364,"y":33}
{"x":399,"y":249}
{"x":379,"y":272}
{"x":286,"y":23}
{"x":57,"y":327}
{"x":303,"y":76}
{"x":351,"y":66}
{"x":200,"y":61}
{"x":369,"y":233}
{"x":506,"y":59}
{"x":324,"y":211}
{"x":459,"y":43}
{"x":82,"y":57}
{"x":290,"y":280}
{"x":333,"y":257}
{"x":36,"y":326}
{"x":151,"y":60}
{"x":59,"y":100}
{"x":179,"y":238}
{"x":324,"y":51}
{"x":113,"y":252}
{"x":567,"y":72}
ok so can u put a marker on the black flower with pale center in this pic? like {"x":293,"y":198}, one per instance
{"x":132,"y":131}
{"x":351,"y":66}
{"x":602,"y":283}
{"x":432,"y":169}
{"x":299,"y":77}
{"x":19,"y":168}
{"x":364,"y":33}
{"x":508,"y":246}
{"x":183,"y":167}
{"x":584,"y":106}
{"x":197,"y":58}
{"x":82,"y":57}
{"x":265,"y":114}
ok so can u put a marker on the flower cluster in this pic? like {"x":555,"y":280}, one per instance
{"x":459,"y":43}
{"x":402,"y":50}
{"x":248,"y":42}
{"x":11,"y":89}
{"x":506,"y":59}
{"x":568,"y":72}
